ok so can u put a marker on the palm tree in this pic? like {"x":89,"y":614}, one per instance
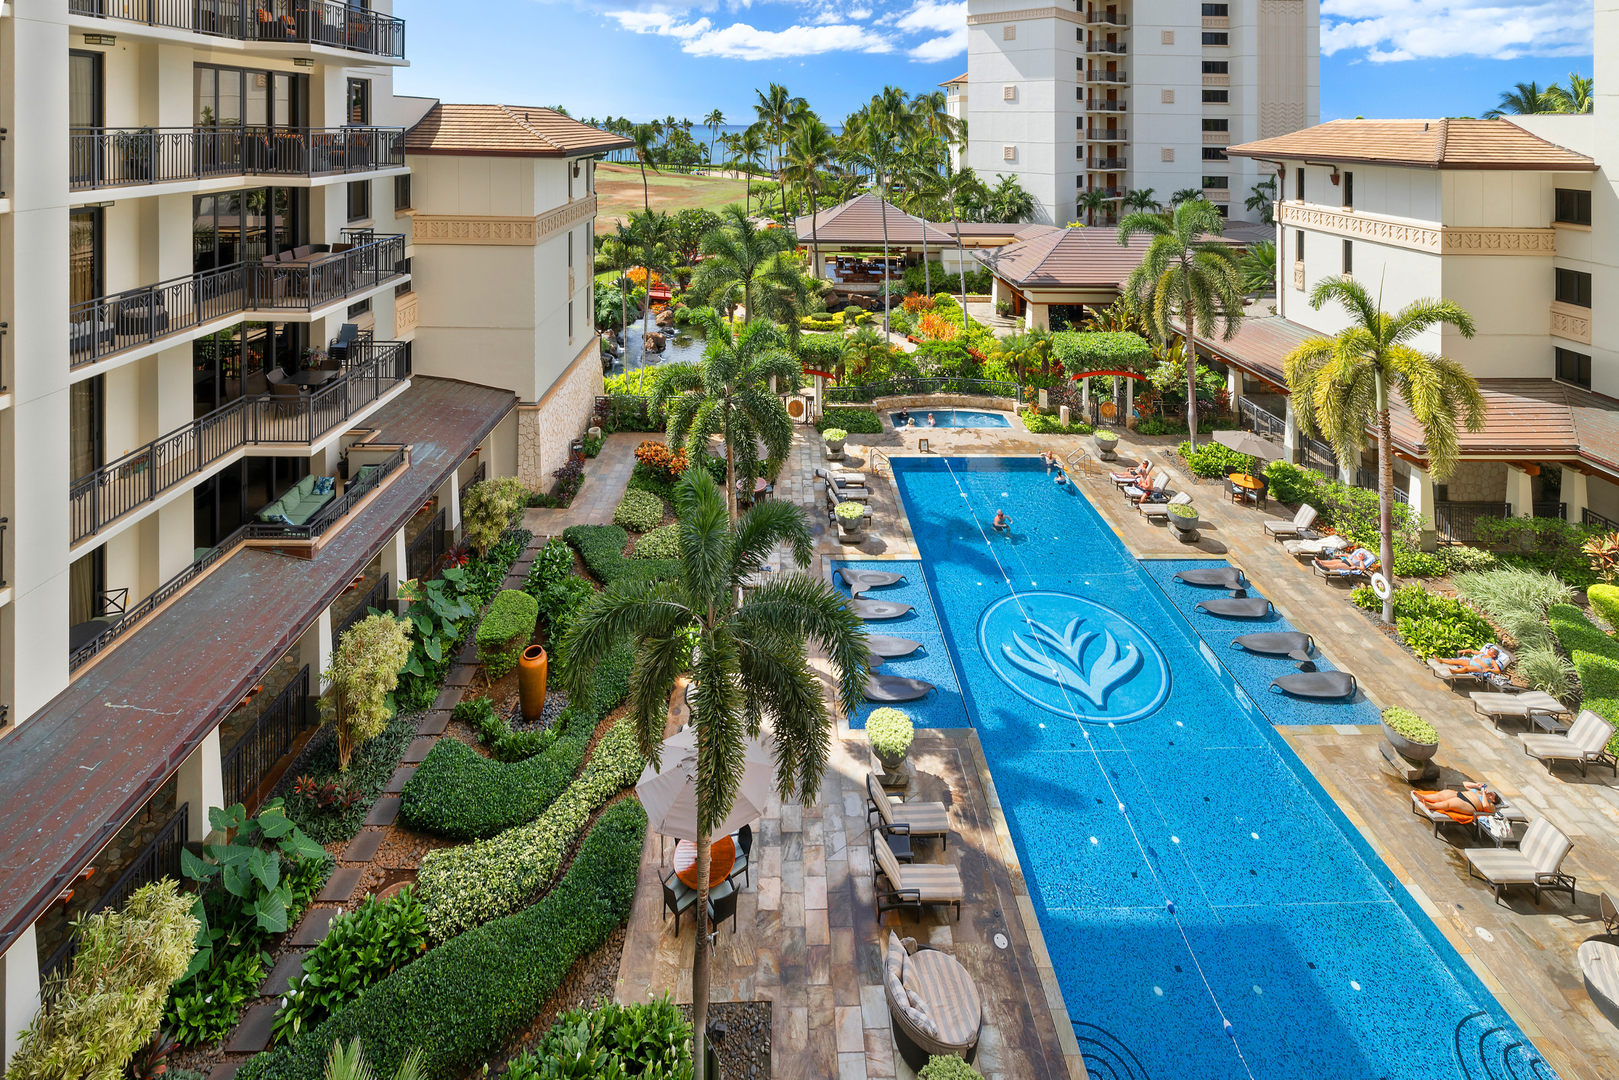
{"x":645,"y":136}
{"x":808,"y":153}
{"x":1262,"y":197}
{"x":618,"y":252}
{"x":1578,"y":98}
{"x":1142,"y":199}
{"x":1525,"y":99}
{"x":654,"y":240}
{"x":713,"y":122}
{"x":1185,"y":274}
{"x":1190,"y":194}
{"x":866,"y":348}
{"x":773,"y":108}
{"x":733,"y":394}
{"x":1259,"y":268}
{"x":1092,"y":201}
{"x":958,"y":182}
{"x":1008,"y":201}
{"x":888,"y":118}
{"x":750,"y":148}
{"x":739,"y":258}
{"x":1340,"y":387}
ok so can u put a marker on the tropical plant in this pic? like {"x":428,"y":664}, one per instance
{"x":639,"y":511}
{"x":713,"y":122}
{"x":833,"y":434}
{"x":1516,"y":599}
{"x":749,"y":659}
{"x":1007,"y":201}
{"x":350,"y":1064}
{"x":361,"y":947}
{"x":1262,"y":197}
{"x":361,"y":678}
{"x":1341,"y":387}
{"x":505,"y":632}
{"x":489,"y":508}
{"x":1524,"y":99}
{"x":1091,"y":202}
{"x":890,"y":732}
{"x":948,"y":1067}
{"x":436,"y":610}
{"x":733,"y":393}
{"x":103,"y":1009}
{"x":1142,"y":199}
{"x":1580,"y":97}
{"x":648,"y":1040}
{"x":809,"y":152}
{"x":1259,"y":268}
{"x":1189,"y":274}
{"x":1409,"y":724}
{"x":645,"y":136}
{"x":1603,"y":553}
{"x":755,"y":267}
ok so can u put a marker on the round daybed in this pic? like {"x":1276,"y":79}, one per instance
{"x":932,"y":1001}
{"x":1599,"y":963}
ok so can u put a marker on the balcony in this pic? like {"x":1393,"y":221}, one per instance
{"x":1107,"y":134}
{"x":1092,"y":18}
{"x":1099,"y":105}
{"x":1105,"y":164}
{"x":107,"y":325}
{"x":1110,"y":192}
{"x":333,"y":25}
{"x":139,"y":477}
{"x":123,"y":157}
{"x":1117,"y":48}
{"x":1097,"y":75}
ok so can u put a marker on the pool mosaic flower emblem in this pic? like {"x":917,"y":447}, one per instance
{"x":1074,"y":657}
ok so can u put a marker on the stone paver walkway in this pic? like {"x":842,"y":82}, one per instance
{"x":606,"y":474}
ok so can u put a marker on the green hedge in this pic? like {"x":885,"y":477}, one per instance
{"x":1430,"y":624}
{"x":602,"y":549}
{"x":505,"y":631}
{"x":1051,"y":424}
{"x":1596,"y":661}
{"x":639,"y":511}
{"x":460,"y":793}
{"x":1605,"y":598}
{"x":495,"y":732}
{"x":464,"y":887}
{"x":1211,"y":459}
{"x":854,"y":421}
{"x":661,"y":543}
{"x":470,"y":997}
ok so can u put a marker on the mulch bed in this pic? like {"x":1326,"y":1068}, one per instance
{"x":743,"y":1050}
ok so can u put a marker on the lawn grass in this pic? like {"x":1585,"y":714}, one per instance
{"x":618,"y":187}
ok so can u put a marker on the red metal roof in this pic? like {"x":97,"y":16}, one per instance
{"x":75,"y":771}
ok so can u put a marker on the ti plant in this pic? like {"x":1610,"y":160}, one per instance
{"x":437,"y":609}
{"x":1603,"y":554}
{"x":249,"y":868}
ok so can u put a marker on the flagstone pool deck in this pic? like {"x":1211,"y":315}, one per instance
{"x":808,"y":940}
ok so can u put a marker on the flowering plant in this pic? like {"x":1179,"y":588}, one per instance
{"x":665,"y":464}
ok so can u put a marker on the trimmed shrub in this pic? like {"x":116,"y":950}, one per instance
{"x":890,"y":731}
{"x":460,"y":793}
{"x":466,"y":886}
{"x":1293,"y":485}
{"x":505,"y":631}
{"x":661,"y":543}
{"x":470,"y":997}
{"x":651,"y":1041}
{"x":1429,"y":624}
{"x":1605,"y":599}
{"x":1409,"y":724}
{"x":639,"y":511}
{"x":948,"y":1067}
{"x":1596,"y":660}
{"x":1051,"y":424}
{"x":854,"y":421}
{"x":602,"y":549}
{"x":1211,"y":459}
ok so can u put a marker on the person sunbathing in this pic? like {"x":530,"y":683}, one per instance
{"x":1137,"y":474}
{"x":1141,"y":491}
{"x":1360,"y":559}
{"x":1487,"y":659}
{"x":1473,"y":799}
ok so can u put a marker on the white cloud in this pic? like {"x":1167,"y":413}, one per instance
{"x":948,"y":20}
{"x":942,"y":48}
{"x":860,"y":13}
{"x":1435,"y":29}
{"x":659,"y":22}
{"x":739,"y":41}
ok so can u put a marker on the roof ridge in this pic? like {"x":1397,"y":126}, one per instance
{"x":1057,"y":241}
{"x":528,"y":126}
{"x":1444,"y":137}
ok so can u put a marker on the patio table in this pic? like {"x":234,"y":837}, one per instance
{"x":721,"y":857}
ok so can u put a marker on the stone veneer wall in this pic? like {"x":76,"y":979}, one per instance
{"x":545,"y":428}
{"x":1478,"y":481}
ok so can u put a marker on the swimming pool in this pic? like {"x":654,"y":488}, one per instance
{"x":951,"y":418}
{"x":1209,"y":911}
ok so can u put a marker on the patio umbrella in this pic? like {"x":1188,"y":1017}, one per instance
{"x":1246,"y":442}
{"x":670,"y":796}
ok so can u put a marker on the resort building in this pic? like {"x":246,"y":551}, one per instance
{"x":1511,"y":220}
{"x":275,"y":379}
{"x":1147,"y":97}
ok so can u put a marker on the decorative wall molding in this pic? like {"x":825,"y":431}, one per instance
{"x":1572,"y":322}
{"x":1283,"y":75}
{"x":405,"y":314}
{"x":1439,"y":240}
{"x":1216,"y":80}
{"x":482,"y":230}
{"x":1298,"y":274}
{"x":1031,"y":13}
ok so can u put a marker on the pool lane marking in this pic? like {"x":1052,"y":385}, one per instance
{"x":1118,"y":801}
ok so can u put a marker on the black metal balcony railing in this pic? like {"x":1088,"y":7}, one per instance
{"x":376,"y":597}
{"x":1118,"y":48}
{"x":1104,"y":164}
{"x":1107,"y":134}
{"x":1106,"y":18}
{"x":1098,"y":76}
{"x":1367,"y":479}
{"x":1321,"y":457}
{"x":1457,"y":522}
{"x":332,"y":24}
{"x":1099,"y":105}
{"x":109,"y":324}
{"x":1591,"y":517}
{"x":478,"y":476}
{"x":1261,"y":421}
{"x":138,"y":477}
{"x":121,"y":157}
{"x":423,"y":553}
{"x":1110,"y":192}
{"x":264,"y":744}
{"x":333,"y":512}
{"x":158,"y":860}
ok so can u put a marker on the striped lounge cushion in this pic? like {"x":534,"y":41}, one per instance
{"x":925,"y":819}
{"x":935,"y":882}
{"x":952,"y":999}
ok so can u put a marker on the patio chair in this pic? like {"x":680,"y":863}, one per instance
{"x":835,"y":495}
{"x":677,"y":897}
{"x":933,"y":1003}
{"x":722,"y":905}
{"x":1537,"y":862}
{"x":1161,"y":509}
{"x":1498,"y":706}
{"x":286,"y":397}
{"x":347,"y":334}
{"x":744,"y":844}
{"x":1503,"y":810}
{"x":1362,"y":570}
{"x":1599,"y":964}
{"x":275,"y":375}
{"x":913,"y":819}
{"x":1130,"y":477}
{"x":1301,"y":521}
{"x":1310,"y":549}
{"x":1450,"y":676}
{"x":913,"y":886}
{"x":1585,"y":742}
{"x":1155,"y":494}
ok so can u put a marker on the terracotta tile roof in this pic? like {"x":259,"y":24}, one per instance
{"x":1530,"y":417}
{"x":1420,"y":144}
{"x":958,"y":79}
{"x":521,"y":130}
{"x":860,"y":222}
{"x":1053,"y":258}
{"x":979,"y":228}
{"x":1262,"y":341}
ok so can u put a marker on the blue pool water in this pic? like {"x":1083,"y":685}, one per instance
{"x":952,"y":418}
{"x":1187,"y":871}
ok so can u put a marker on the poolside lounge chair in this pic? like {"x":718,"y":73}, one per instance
{"x":1161,"y":509}
{"x":896,"y":688}
{"x":1130,"y":477}
{"x":861,"y":580}
{"x":1310,"y":549}
{"x":1503,"y":809}
{"x":835,"y":494}
{"x":1599,"y":963}
{"x":1499,"y":706}
{"x":1451,"y":677}
{"x":1221,"y":577}
{"x":1293,"y":645}
{"x":913,"y":819}
{"x":1366,"y":567}
{"x":842,"y":479}
{"x":878,"y":609}
{"x":1235,"y":607}
{"x":932,"y":1003}
{"x":1156,"y":494}
{"x":1537,"y":862}
{"x":912,"y":886}
{"x":1301,"y":521}
{"x":891,"y":647}
{"x":1585,"y":742}
{"x":1322,"y":685}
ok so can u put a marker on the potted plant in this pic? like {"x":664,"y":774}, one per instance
{"x":834,"y":439}
{"x":1107,"y":442}
{"x":890,"y":733}
{"x":850,"y":514}
{"x":1410,"y":734}
{"x":1183,"y":518}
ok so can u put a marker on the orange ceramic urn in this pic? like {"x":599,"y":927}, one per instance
{"x":531,"y":672}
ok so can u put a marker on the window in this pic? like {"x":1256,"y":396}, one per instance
{"x":359,"y":101}
{"x":1214,"y":153}
{"x":1298,"y":184}
{"x":359,"y":200}
{"x":1216,"y":125}
{"x":1349,"y":190}
{"x":1216,"y":181}
{"x":402,"y":193}
{"x":1217,"y":97}
{"x":1216,"y":67}
{"x":1079,"y":153}
{"x":1574,"y":367}
{"x":1225,"y":211}
{"x":570,"y":320}
{"x":1573,"y":207}
{"x":570,"y":250}
{"x":361,"y":308}
{"x":227,"y":97}
{"x":408,"y":285}
{"x":1216,"y":37}
{"x":1298,"y":245}
{"x":1079,"y":122}
{"x":1573,"y":287}
{"x":1349,"y":258}
{"x":1216,"y":11}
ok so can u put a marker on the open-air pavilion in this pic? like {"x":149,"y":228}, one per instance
{"x":851,"y":240}
{"x":1066,"y":269}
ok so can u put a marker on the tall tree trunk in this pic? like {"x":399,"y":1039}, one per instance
{"x":1385,"y":495}
{"x":882,"y":209}
{"x":1191,"y":357}
{"x":700,"y":963}
{"x":961,"y":260}
{"x":815,"y":243}
{"x":646,"y":196}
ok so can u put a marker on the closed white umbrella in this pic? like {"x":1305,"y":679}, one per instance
{"x":670,"y":795}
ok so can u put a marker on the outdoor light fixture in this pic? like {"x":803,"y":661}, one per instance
{"x":576,"y":168}
{"x":302,"y":62}
{"x":100,"y":39}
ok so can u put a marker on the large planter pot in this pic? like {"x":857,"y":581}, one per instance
{"x":1107,"y":443}
{"x":850,"y":532}
{"x":834,"y":446}
{"x":532,"y":670}
{"x":1415,"y":751}
{"x":891,"y":762}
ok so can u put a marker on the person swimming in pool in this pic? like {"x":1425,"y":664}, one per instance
{"x":1062,"y":478}
{"x":1002,"y":523}
{"x":904,"y":416}
{"x":1048,"y":459}
{"x":932,"y":422}
{"x":1472,"y":799}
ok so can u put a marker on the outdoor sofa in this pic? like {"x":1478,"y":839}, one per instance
{"x":932,"y":1002}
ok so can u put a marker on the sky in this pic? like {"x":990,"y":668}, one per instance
{"x":652,"y":58}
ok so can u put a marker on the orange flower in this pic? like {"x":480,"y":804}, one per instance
{"x":936,"y":327}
